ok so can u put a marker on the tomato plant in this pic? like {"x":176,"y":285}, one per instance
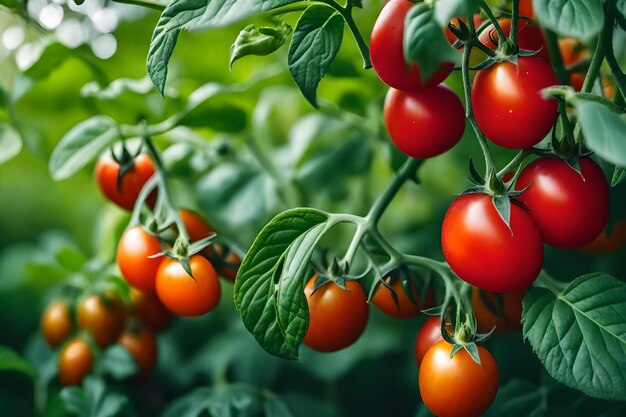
{"x":529,"y":37}
{"x":407,"y":301}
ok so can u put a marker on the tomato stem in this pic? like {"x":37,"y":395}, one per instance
{"x":515,"y":162}
{"x":600,"y":49}
{"x":618,"y":74}
{"x":514,"y":24}
{"x":555,"y":56}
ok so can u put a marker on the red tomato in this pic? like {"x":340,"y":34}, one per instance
{"x":609,"y":242}
{"x":569,"y":209}
{"x":184,"y":295}
{"x":336,"y":317}
{"x":526,"y":8}
{"x":457,"y":386}
{"x":455,"y":22}
{"x":135,"y":246}
{"x":482,"y":250}
{"x":383,"y":299}
{"x":502,"y":311}
{"x":151,"y":310}
{"x":529,"y":37}
{"x":141,"y":343}
{"x":425,"y":123}
{"x":103,"y":316}
{"x":508,"y":104}
{"x":387,"y":53}
{"x":56,"y":323}
{"x":574,"y":52}
{"x":429,"y":334}
{"x":106,"y":173}
{"x":75,"y":362}
{"x":196,"y":226}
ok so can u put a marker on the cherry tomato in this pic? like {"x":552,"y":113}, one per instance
{"x":75,"y":362}
{"x":574,"y":52}
{"x":484,"y":252}
{"x":336,"y":317}
{"x":451,"y":37}
{"x":457,"y":386}
{"x":230,"y":265}
{"x":141,"y":343}
{"x":184,"y":295}
{"x":56,"y":323}
{"x":104,"y":316}
{"x":106,"y":173}
{"x":383,"y":299}
{"x":570,"y":209}
{"x":502,"y":311}
{"x":424,"y":123}
{"x":526,"y":8}
{"x":387,"y":53}
{"x":609,"y":242}
{"x":508,"y":104}
{"x":529,"y":37}
{"x":196,"y":226}
{"x":429,"y":334}
{"x":151,"y":310}
{"x":133,"y":252}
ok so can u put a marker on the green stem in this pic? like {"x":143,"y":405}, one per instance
{"x":515,"y":162}
{"x":501,"y":35}
{"x":151,"y":4}
{"x":546,"y":280}
{"x":514,"y":23}
{"x":618,"y":74}
{"x":600,"y":50}
{"x":555,"y":56}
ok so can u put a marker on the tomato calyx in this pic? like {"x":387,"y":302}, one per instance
{"x":410,"y":283}
{"x":464,"y":337}
{"x":336,"y":272}
{"x":126,"y":161}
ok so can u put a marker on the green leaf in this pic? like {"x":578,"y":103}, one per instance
{"x":580,"y":334}
{"x":269,"y":289}
{"x":424,"y":41}
{"x":619,"y":175}
{"x":70,"y":258}
{"x":196,"y":15}
{"x":191,"y":405}
{"x":603,"y":131}
{"x":82,"y":144}
{"x":621,"y":7}
{"x":262,"y":41}
{"x":315,"y":43}
{"x":10,"y":142}
{"x":447,"y":9}
{"x":119,"y":362}
{"x":93,"y":400}
{"x":210,"y":106}
{"x":11,"y":361}
{"x":519,"y":398}
{"x":226,"y":401}
{"x":576,"y":18}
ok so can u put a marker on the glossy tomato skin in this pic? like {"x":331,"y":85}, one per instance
{"x":133,"y":252}
{"x":141,"y":343}
{"x":196,"y":226}
{"x":429,"y":334}
{"x":150,"y":310}
{"x":336,"y":317}
{"x":526,"y":8}
{"x":383,"y":299}
{"x":608,"y":242}
{"x":482,"y":250}
{"x":424,"y":123}
{"x":508,"y":104}
{"x":570,"y":209}
{"x":103,"y":317}
{"x":529,"y":37}
{"x":56,"y":323}
{"x":75,"y":362}
{"x":106,"y":173}
{"x":457,"y":386}
{"x":387,"y":54}
{"x":184,"y":295}
{"x":502,"y":311}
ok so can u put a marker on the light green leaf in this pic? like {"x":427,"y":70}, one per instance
{"x":10,"y":142}
{"x":603,"y":131}
{"x":447,"y":9}
{"x":577,"y":18}
{"x":11,"y":361}
{"x":262,"y":41}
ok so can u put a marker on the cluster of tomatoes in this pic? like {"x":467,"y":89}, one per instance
{"x":160,"y":285}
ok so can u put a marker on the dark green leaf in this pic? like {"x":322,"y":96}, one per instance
{"x":262,"y":41}
{"x":315,"y":43}
{"x":621,"y":7}
{"x":519,"y":398}
{"x":603,"y":131}
{"x":191,"y":405}
{"x":119,"y":362}
{"x":447,"y":9}
{"x":93,"y":400}
{"x":580,"y":334}
{"x":11,"y":361}
{"x":10,"y":142}
{"x":81,"y":145}
{"x":577,"y":18}
{"x":275,"y":407}
{"x":269,"y":290}
{"x":619,"y":175}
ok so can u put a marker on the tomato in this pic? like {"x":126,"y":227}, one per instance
{"x":141,"y":343}
{"x":383,"y":299}
{"x":133,"y":252}
{"x":104,"y":316}
{"x":569,"y":209}
{"x":230,"y":265}
{"x":196,"y":226}
{"x":184,"y":295}
{"x":529,"y":37}
{"x":484,"y":252}
{"x":387,"y":53}
{"x":425,"y":123}
{"x":502,"y":311}
{"x":336,"y":317}
{"x":508,"y":104}
{"x":429,"y":334}
{"x":75,"y":362}
{"x":574,"y":52}
{"x":609,"y":242}
{"x":106,"y":172}
{"x":151,"y":310}
{"x":56,"y":323}
{"x":457,"y":386}
{"x":451,"y":37}
{"x":608,"y":87}
{"x":526,"y":8}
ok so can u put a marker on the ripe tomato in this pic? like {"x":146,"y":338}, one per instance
{"x":455,"y":22}
{"x":609,"y":242}
{"x":424,"y":123}
{"x":508,"y":104}
{"x":196,"y":226}
{"x":484,"y":252}
{"x":75,"y":362}
{"x":56,"y":323}
{"x":106,"y":173}
{"x":526,"y":8}
{"x":104,"y":316}
{"x":184,"y":295}
{"x":429,"y":334}
{"x":383,"y":299}
{"x":141,"y":343}
{"x":336,"y":317}
{"x":457,"y":386}
{"x":529,"y":37}
{"x":132,"y":258}
{"x":502,"y":311}
{"x":570,"y":209}
{"x":387,"y":53}
{"x":151,"y":310}
{"x":230,"y":265}
{"x":574,"y":52}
